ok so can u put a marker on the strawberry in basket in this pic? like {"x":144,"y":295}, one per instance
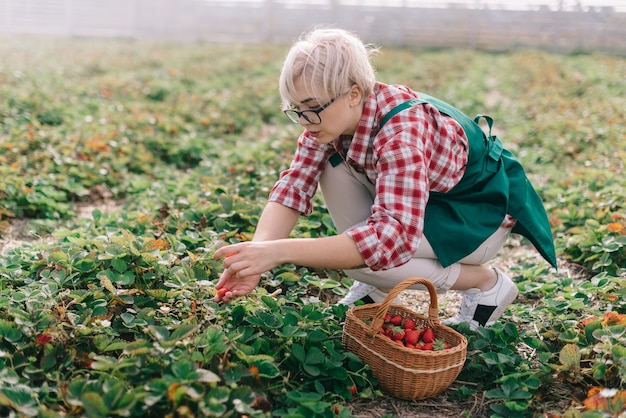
{"x":406,"y":332}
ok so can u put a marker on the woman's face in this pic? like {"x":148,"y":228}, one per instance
{"x":340,"y":117}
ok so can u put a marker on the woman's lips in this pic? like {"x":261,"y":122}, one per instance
{"x":314,"y":134}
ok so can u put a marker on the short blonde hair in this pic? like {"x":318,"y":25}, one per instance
{"x":328,"y":61}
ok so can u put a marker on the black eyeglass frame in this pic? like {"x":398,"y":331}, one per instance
{"x":295,"y":115}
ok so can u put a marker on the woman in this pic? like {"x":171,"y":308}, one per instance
{"x":414,"y":188}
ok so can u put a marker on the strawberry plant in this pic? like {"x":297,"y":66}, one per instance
{"x":111,"y":313}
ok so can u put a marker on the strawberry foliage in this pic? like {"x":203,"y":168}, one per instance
{"x":128,"y":164}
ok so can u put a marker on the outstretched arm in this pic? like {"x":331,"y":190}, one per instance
{"x":276,"y":222}
{"x":245,"y":262}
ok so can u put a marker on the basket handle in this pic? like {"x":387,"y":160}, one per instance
{"x":433,"y":309}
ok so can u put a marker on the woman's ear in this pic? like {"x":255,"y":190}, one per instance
{"x":356,"y":95}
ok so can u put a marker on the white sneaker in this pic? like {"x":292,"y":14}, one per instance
{"x":364,"y":293}
{"x":485,"y":308}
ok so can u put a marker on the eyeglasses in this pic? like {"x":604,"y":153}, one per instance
{"x":311,"y":116}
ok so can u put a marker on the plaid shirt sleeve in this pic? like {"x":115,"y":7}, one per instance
{"x":297,"y":185}
{"x":417,"y":151}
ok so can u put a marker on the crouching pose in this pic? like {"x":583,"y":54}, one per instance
{"x":414,"y":187}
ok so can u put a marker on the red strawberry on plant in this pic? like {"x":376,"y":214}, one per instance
{"x":428,"y":336}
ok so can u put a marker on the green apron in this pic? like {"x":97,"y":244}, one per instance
{"x":457,"y":222}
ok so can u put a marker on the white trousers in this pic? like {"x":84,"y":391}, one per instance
{"x":349,"y":197}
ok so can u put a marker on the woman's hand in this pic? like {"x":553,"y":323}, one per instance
{"x":243,"y":265}
{"x":246,"y":261}
{"x":229,"y":287}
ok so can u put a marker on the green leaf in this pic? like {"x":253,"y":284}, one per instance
{"x":288,"y":277}
{"x":298,"y":352}
{"x":59,"y":257}
{"x":304,"y":397}
{"x":184,"y":369}
{"x":137,"y":348}
{"x":316,"y":336}
{"x":159,"y":294}
{"x":94,"y":405}
{"x":291,"y":331}
{"x":206,"y":376}
{"x":9,"y":332}
{"x":264,"y":320}
{"x":532,"y":383}
{"x":590,"y":328}
{"x":618,"y":352}
{"x":183,"y":331}
{"x":315,"y":356}
{"x":100,"y":341}
{"x":238,"y":313}
{"x":85,"y":265}
{"x":116,"y":397}
{"x":20,"y":399}
{"x":270,"y":303}
{"x":267,"y":369}
{"x":516,"y":406}
{"x":339,"y":373}
{"x":9,"y":377}
{"x":161,"y":333}
{"x":119,"y":264}
{"x":104,"y":363}
{"x":117,"y":344}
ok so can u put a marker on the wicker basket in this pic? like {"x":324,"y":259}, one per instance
{"x":404,"y":373}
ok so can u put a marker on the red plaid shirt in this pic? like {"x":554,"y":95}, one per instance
{"x":418,"y":150}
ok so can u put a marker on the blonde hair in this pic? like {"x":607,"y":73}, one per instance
{"x":328,"y":61}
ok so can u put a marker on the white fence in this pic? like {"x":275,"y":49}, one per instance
{"x":593,"y":29}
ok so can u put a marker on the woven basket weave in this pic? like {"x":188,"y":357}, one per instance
{"x":404,"y":373}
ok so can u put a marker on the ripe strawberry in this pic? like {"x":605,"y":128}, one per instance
{"x":428,"y":336}
{"x":409,"y":324}
{"x":221,"y":292}
{"x":428,"y":346}
{"x":352,"y":390}
{"x":386,"y":332}
{"x":397,"y":333}
{"x":411,"y":336}
{"x":43,"y":339}
{"x":396,"y":320}
{"x":387,"y":318}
